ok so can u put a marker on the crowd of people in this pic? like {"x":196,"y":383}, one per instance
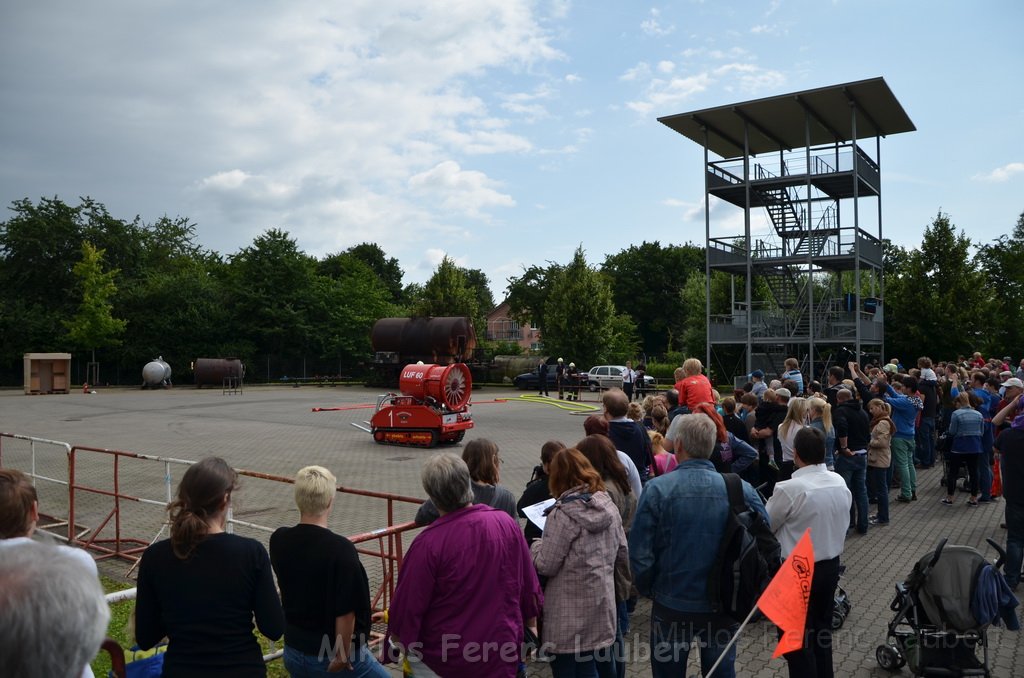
{"x":639,"y":506}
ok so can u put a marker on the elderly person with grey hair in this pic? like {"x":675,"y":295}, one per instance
{"x":467,"y":587}
{"x":675,"y":539}
{"x":53,"y":614}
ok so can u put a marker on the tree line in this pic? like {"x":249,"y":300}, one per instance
{"x":74,"y":278}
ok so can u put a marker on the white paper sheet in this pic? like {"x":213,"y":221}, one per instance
{"x":535,"y":513}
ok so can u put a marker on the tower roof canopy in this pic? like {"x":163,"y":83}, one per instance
{"x":777,"y":122}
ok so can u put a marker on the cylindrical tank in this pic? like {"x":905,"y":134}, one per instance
{"x":156,"y":372}
{"x":512,"y":366}
{"x":213,"y":371}
{"x":448,"y":384}
{"x":435,"y":340}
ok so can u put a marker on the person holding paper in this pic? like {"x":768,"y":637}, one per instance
{"x":537,"y":489}
{"x":816,"y":499}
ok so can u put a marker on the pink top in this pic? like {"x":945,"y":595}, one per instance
{"x":665,"y":462}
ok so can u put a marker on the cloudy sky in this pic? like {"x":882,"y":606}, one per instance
{"x":501,"y":132}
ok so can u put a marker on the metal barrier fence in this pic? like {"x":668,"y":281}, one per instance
{"x":40,"y":465}
{"x":103,"y":483}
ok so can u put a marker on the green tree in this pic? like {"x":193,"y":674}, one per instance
{"x":272,"y":285}
{"x":693,"y":298}
{"x":94,"y":326}
{"x":387,"y":269}
{"x":936,"y":303}
{"x":580,"y":320}
{"x":1002,"y":262}
{"x":346,"y":307}
{"x":480,"y":284}
{"x":646,"y":282}
{"x":448,"y":293}
{"x":527,"y":295}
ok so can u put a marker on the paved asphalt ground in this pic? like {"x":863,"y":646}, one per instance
{"x":274,"y":431}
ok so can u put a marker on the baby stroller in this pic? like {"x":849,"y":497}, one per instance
{"x":934,"y":630}
{"x":841,"y":605}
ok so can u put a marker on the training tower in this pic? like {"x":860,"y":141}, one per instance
{"x":806,"y":270}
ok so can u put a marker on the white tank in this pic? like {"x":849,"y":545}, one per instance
{"x":156,"y":372}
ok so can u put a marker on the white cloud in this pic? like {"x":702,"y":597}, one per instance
{"x":639,"y":72}
{"x":666,"y":66}
{"x":433,"y":256}
{"x":1001,"y":174}
{"x":462,"y":191}
{"x":573,"y":77}
{"x":663,"y":94}
{"x":307,"y":116}
{"x":653,"y":27}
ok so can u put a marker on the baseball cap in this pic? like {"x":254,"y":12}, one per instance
{"x":1013,"y":382}
{"x":757,"y":373}
{"x":783,"y":392}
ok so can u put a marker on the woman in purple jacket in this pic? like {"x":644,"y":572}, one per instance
{"x":466,"y":588}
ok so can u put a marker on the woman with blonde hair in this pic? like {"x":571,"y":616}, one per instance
{"x":819,"y":416}
{"x":880,"y":457}
{"x":581,"y":553}
{"x":796,"y":419}
{"x":966,"y":428}
{"x":324,"y":589}
{"x":663,"y":459}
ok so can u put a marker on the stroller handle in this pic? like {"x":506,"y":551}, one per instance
{"x":999,"y":550}
{"x":937,"y":554}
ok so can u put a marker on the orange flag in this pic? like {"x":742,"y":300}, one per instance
{"x":785,"y":599}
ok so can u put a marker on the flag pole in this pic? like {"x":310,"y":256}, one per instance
{"x":732,"y":642}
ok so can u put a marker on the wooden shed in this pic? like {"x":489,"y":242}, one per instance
{"x":47,"y":373}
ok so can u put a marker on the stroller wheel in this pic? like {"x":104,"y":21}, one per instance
{"x":889,"y":658}
{"x":837,"y":619}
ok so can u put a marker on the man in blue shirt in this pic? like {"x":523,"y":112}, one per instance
{"x":904,"y":415}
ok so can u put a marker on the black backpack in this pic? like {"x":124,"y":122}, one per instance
{"x":749,"y":555}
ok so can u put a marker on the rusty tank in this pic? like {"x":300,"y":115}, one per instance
{"x":440,"y":340}
{"x":213,"y":371}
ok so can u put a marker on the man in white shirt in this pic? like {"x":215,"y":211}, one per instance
{"x":628,"y":377}
{"x":818,"y":499}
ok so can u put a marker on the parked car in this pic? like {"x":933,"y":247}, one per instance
{"x":527,"y":381}
{"x":610,"y":376}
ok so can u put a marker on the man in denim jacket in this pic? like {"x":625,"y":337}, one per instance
{"x":673,"y":546}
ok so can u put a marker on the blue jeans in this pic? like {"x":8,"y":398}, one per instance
{"x":985,"y":475}
{"x":670,"y":648}
{"x":621,"y":629}
{"x":1014,"y":542}
{"x":595,"y":664}
{"x":854,"y":472}
{"x":925,"y":441}
{"x":879,"y":490}
{"x":364,"y":665}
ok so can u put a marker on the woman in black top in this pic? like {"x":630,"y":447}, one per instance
{"x":537,"y":489}
{"x":324,"y":589}
{"x":202,"y":587}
